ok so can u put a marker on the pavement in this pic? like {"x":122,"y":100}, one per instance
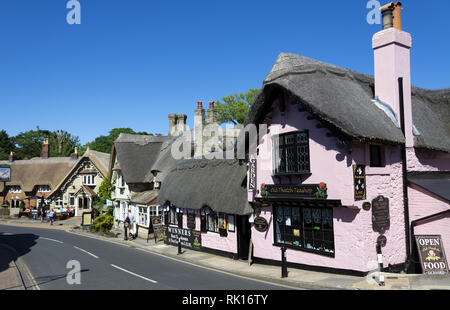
{"x":10,"y":278}
{"x":297,"y":278}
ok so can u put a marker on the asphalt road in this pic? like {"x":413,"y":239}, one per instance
{"x":109,"y":266}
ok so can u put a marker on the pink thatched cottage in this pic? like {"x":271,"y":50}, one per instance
{"x":349,"y":165}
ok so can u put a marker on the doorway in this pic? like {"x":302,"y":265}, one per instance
{"x":244,"y":236}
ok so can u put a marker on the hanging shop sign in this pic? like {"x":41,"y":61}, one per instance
{"x":252,"y":174}
{"x":261,"y":224}
{"x":359,"y":181}
{"x":431,"y":254}
{"x":5,"y":173}
{"x":380,"y":214}
{"x":189,"y":238}
{"x":303,"y":190}
{"x":366,"y":206}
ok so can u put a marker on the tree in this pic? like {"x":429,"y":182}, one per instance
{"x":234,"y":108}
{"x":104,"y":143}
{"x":29,"y":143}
{"x":6,"y":145}
{"x":62,"y":143}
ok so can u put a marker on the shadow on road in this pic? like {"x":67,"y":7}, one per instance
{"x":21,"y":243}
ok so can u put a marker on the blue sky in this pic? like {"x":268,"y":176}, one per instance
{"x":130,"y":63}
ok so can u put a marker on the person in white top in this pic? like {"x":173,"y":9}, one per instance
{"x":132,"y":224}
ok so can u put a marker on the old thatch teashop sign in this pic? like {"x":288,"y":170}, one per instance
{"x":189,"y":238}
{"x":261,"y":224}
{"x":381,"y":220}
{"x":431,"y":254}
{"x":303,"y":190}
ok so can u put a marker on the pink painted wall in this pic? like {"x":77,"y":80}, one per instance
{"x":427,"y":160}
{"x":423,"y":203}
{"x":355,"y":241}
{"x":213,"y":240}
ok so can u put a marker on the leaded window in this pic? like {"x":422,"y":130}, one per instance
{"x":291,"y":153}
{"x":309,"y":229}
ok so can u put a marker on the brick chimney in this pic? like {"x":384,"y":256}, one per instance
{"x":45,"y":149}
{"x":12,"y":156}
{"x":211,"y":114}
{"x":392,"y":61}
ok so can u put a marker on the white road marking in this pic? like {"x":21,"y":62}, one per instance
{"x":134,"y":274}
{"x":51,"y":239}
{"x":86,"y":252}
{"x":7,"y":234}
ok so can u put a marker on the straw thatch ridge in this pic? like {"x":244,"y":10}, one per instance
{"x":343,"y":98}
{"x":136,"y":155}
{"x":38,"y":171}
{"x":219,"y":184}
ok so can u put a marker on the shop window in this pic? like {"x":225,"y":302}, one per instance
{"x":377,"y":156}
{"x":143,"y":216}
{"x":309,"y":229}
{"x":211,"y":220}
{"x":191,"y":220}
{"x":173,"y":218}
{"x":291,"y":153}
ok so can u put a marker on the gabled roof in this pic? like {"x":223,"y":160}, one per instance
{"x":38,"y":171}
{"x":136,"y":154}
{"x":99,"y":159}
{"x":437,"y":183}
{"x":343,"y":98}
{"x":217,"y":183}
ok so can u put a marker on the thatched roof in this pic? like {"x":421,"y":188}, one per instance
{"x":38,"y":171}
{"x":136,"y":155}
{"x":165,"y":161}
{"x":343,"y":98}
{"x":99,"y":159}
{"x":144,"y":198}
{"x":218,"y":184}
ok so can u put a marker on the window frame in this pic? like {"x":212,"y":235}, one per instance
{"x":280,"y":149}
{"x":303,"y":232}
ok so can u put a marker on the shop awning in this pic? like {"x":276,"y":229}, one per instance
{"x":437,"y":183}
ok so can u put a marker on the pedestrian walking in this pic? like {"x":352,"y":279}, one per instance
{"x":132,"y":224}
{"x":51,"y":216}
{"x":43,"y":213}
{"x":126,"y":225}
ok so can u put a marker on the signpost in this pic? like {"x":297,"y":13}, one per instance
{"x":380,"y":214}
{"x":158,"y":229}
{"x":431,"y":254}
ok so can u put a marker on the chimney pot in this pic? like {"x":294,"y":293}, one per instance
{"x":211,"y":104}
{"x":199,"y":104}
{"x":11,"y":156}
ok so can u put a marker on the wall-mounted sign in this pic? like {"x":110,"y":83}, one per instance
{"x":366,"y":206}
{"x":261,"y":224}
{"x":252,"y":174}
{"x":359,"y":181}
{"x":380,"y":214}
{"x":303,"y":190}
{"x":5,"y":173}
{"x":189,"y":238}
{"x":191,"y":220}
{"x":432,"y":256}
{"x":381,"y":241}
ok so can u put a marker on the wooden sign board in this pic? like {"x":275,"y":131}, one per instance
{"x":381,"y":220}
{"x":252,"y":174}
{"x":432,"y":255}
{"x":359,"y":182}
{"x":303,"y":190}
{"x":189,"y":238}
{"x":158,"y":229}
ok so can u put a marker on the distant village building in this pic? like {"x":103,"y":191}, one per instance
{"x":78,"y":188}
{"x":349,"y":162}
{"x":32,"y":180}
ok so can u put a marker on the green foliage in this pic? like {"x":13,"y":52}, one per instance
{"x":102,"y":223}
{"x":62,"y":143}
{"x":21,"y":205}
{"x":29,"y":143}
{"x":105,"y":189}
{"x":234,"y":108}
{"x":104,"y":143}
{"x":6,"y":145}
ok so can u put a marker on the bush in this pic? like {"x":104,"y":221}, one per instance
{"x":103,"y":223}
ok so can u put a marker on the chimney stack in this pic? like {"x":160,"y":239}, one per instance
{"x":392,"y":61}
{"x":181,"y":123}
{"x":172,"y":124}
{"x":211,"y":116}
{"x":12,"y":156}
{"x":45,"y":149}
{"x":199,"y":122}
{"x":75,"y":154}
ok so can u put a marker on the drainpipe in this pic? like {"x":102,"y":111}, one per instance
{"x":404,"y":177}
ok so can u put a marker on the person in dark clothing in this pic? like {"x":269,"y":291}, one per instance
{"x":126,"y":225}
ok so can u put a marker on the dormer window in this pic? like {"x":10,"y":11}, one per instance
{"x":43,"y":189}
{"x":120,"y":180}
{"x":291,"y":153}
{"x":15,"y":190}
